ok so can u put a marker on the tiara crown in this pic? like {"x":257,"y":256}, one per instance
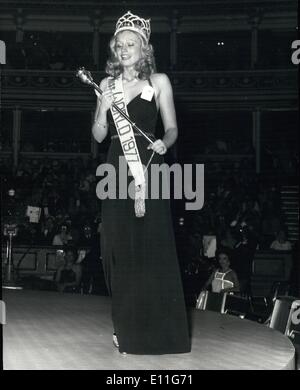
{"x":134,"y":23}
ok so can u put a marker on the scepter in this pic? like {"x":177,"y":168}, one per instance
{"x":86,"y":77}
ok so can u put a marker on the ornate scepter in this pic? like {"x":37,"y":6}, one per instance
{"x":86,"y":77}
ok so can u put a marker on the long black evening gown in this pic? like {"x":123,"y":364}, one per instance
{"x":140,"y":260}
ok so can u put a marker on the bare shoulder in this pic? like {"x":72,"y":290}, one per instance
{"x":161,"y":84}
{"x":160,"y":80}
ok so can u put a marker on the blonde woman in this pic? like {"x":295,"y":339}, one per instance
{"x":137,"y":240}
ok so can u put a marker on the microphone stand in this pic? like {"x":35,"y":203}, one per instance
{"x":9,"y":282}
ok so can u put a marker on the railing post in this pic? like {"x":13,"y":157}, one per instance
{"x":94,"y":144}
{"x":173,"y":40}
{"x":19,"y":20}
{"x":256,"y":139}
{"x":96,"y":24}
{"x":254,"y":21}
{"x":16,"y":134}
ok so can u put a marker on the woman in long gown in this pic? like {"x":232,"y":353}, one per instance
{"x":139,"y":254}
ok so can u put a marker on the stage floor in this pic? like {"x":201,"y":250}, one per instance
{"x":53,"y":331}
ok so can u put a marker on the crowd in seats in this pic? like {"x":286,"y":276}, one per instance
{"x":63,"y":191}
{"x":243,"y":213}
{"x":242,"y":210}
{"x":34,"y":54}
{"x":57,"y":51}
{"x":240,"y":201}
{"x":69,"y":218}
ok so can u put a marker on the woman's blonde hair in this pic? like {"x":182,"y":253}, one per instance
{"x":145,"y":66}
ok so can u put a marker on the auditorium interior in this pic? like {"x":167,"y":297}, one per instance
{"x":236,"y":97}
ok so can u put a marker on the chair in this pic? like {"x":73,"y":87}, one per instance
{"x":211,"y":301}
{"x":236,"y":305}
{"x":263,"y":307}
{"x":2,"y":313}
{"x":280,"y":288}
{"x":286,"y":317}
{"x":293,"y":323}
{"x":225,"y":303}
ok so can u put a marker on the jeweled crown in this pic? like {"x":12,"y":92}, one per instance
{"x":134,"y":23}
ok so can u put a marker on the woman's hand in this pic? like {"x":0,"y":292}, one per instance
{"x":106,"y":99}
{"x":158,"y":147}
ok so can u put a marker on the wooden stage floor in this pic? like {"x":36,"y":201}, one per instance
{"x":52,"y":331}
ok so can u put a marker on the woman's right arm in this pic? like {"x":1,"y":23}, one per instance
{"x":100,"y":125}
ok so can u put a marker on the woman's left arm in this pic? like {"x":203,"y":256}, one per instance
{"x":236,"y":284}
{"x":168,"y":114}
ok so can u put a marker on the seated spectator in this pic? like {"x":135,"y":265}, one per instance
{"x":47,"y":232}
{"x":72,"y":230}
{"x":270,"y":222}
{"x":63,"y":237}
{"x":281,"y":243}
{"x":87,"y":236}
{"x":93,"y":280}
{"x":68,"y":276}
{"x":243,"y":255}
{"x":229,"y":240}
{"x":224,"y":279}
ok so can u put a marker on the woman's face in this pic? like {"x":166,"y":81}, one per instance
{"x":224,"y":261}
{"x":128,"y":48}
{"x":64,"y":229}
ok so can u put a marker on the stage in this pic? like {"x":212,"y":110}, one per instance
{"x":52,"y":331}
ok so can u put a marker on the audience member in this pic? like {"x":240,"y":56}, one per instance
{"x":281,"y":243}
{"x":243,"y":255}
{"x":223,"y":279}
{"x":47,"y":232}
{"x":63,"y":237}
{"x":228,"y":241}
{"x":68,"y":276}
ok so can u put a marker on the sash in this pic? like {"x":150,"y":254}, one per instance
{"x":128,"y":143}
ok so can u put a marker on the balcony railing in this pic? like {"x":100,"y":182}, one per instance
{"x":192,"y":80}
{"x":247,"y":88}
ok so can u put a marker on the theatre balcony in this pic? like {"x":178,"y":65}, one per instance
{"x":197,"y":90}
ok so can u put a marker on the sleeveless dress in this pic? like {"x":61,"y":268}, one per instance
{"x":221,"y":281}
{"x":140,"y":260}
